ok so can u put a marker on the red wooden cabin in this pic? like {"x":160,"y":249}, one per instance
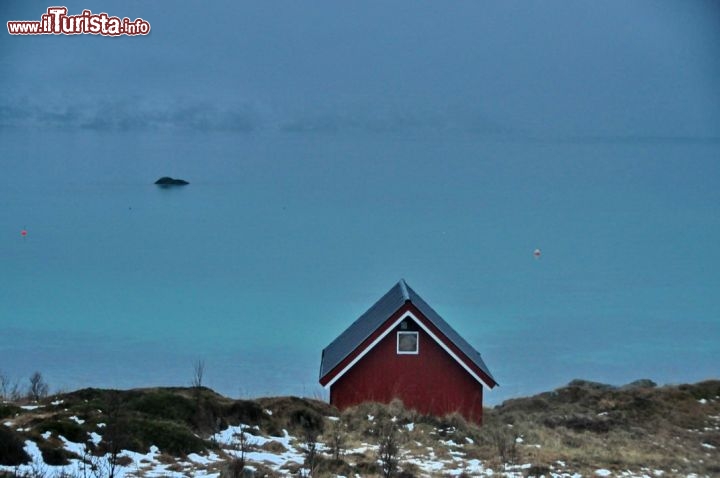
{"x":401,"y":348}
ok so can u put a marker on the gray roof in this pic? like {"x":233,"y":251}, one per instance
{"x":376,"y":315}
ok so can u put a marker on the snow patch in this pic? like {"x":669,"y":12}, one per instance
{"x":450,"y":443}
{"x":359,"y":450}
{"x":33,"y":451}
{"x":95,"y":438}
{"x":603,"y":472}
{"x":77,"y":448}
{"x":203,"y":460}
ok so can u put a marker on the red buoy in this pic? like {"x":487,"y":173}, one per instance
{"x":537,"y":253}
{"x":23,"y":233}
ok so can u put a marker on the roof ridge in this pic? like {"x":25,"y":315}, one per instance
{"x":395,"y":300}
{"x":404,"y":289}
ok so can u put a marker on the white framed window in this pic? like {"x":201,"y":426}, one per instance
{"x":408,"y":343}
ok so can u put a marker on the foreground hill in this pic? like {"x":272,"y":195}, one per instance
{"x":583,"y":428}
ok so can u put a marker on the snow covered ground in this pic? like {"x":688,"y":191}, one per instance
{"x":286,"y":458}
{"x":427,"y":450}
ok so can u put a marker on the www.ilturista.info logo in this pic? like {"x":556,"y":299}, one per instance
{"x":57,"y":22}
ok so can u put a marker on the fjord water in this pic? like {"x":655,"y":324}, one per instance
{"x":282,"y":239}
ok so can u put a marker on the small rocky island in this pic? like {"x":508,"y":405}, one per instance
{"x":168,"y":181}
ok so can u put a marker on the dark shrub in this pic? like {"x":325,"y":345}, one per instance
{"x":235,"y":468}
{"x":88,"y":401}
{"x":580,"y":423}
{"x":273,"y":447}
{"x":246,"y":412}
{"x":367,"y":468}
{"x":587,"y":384}
{"x":330,"y":467}
{"x":642,"y":383}
{"x":170,"y":437}
{"x":707,"y":390}
{"x":7,"y":410}
{"x":641,"y":407}
{"x":85,"y":394}
{"x":12,"y":452}
{"x":70,"y":430}
{"x":307,"y":420}
{"x":163,"y":404}
{"x":297,"y":415}
{"x":53,"y":455}
{"x":536,"y":471}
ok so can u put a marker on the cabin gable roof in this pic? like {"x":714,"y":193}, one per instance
{"x":398,"y":297}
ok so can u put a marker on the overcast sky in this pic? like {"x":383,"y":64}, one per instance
{"x":642,"y":68}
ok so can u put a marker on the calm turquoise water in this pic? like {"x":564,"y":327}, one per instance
{"x":282,"y":240}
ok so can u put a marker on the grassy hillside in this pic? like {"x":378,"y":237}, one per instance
{"x":581,"y":428}
{"x":588,"y":425}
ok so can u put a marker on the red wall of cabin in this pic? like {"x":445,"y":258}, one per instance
{"x":431,"y":382}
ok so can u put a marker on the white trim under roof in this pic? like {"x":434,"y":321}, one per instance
{"x":406,"y":315}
